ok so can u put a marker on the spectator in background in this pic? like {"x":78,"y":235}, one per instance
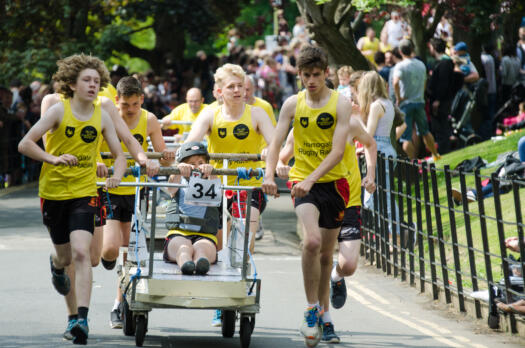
{"x":382,"y":68}
{"x":396,"y":58}
{"x":343,"y":75}
{"x":490,"y":75}
{"x":284,"y":29}
{"x":409,"y":87}
{"x":369,"y":44}
{"x":299,"y":29}
{"x":6,"y":116}
{"x":394,"y":30}
{"x":440,"y":94}
{"x":510,"y":71}
{"x":443,"y":29}
{"x":468,"y":68}
{"x":520,"y":50}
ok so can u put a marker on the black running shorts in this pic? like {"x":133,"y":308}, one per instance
{"x":330,"y":198}
{"x":122,"y":207}
{"x":63,"y":217}
{"x":351,"y":227}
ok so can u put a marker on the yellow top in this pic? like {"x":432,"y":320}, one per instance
{"x":214,"y":104}
{"x":140,"y":132}
{"x":236,"y":137}
{"x":263,"y":104}
{"x":353,"y":177}
{"x":110,"y":92}
{"x":183,"y":113}
{"x":78,"y":138}
{"x":313,"y":131}
{"x":370,"y":45}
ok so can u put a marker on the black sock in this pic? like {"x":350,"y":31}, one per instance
{"x":82,"y":312}
{"x":73,"y":316}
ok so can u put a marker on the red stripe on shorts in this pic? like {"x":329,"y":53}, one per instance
{"x":342,"y":187}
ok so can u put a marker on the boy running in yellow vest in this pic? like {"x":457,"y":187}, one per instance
{"x":320,"y":189}
{"x":235,"y":127}
{"x":142,"y":124}
{"x":350,"y":234}
{"x":136,"y":151}
{"x":68,"y":178}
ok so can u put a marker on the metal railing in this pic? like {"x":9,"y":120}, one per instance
{"x":456,"y":248}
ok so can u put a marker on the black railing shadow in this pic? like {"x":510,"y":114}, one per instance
{"x":417,"y":229}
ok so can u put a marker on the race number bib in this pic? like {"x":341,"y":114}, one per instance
{"x":204,"y":192}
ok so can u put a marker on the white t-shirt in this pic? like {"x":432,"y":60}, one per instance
{"x":395,"y":32}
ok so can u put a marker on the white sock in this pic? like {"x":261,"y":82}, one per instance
{"x":335,"y":276}
{"x":311,"y":305}
{"x":326,"y":317}
{"x":116,"y":305}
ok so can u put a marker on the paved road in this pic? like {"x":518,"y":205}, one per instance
{"x":380,"y":311}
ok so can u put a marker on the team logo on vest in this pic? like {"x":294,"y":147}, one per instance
{"x":70,"y":131}
{"x":222,"y":132}
{"x":139,"y":138}
{"x":325,"y":120}
{"x":241,"y":131}
{"x":304,"y":121}
{"x":88,"y":134}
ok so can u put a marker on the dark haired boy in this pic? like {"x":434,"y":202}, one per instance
{"x":320,"y":189}
{"x":142,"y":124}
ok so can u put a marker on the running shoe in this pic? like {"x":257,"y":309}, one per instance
{"x":203,"y":266}
{"x":80,"y":331}
{"x":329,"y":335}
{"x":311,"y":329}
{"x":216,"y":321}
{"x":60,"y":280}
{"x":67,"y":334}
{"x":115,"y":321}
{"x":338,"y":293}
{"x":109,"y":265}
{"x":260,"y":230}
{"x":188,"y":268}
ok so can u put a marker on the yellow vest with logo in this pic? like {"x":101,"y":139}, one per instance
{"x":354,"y":177}
{"x":140,"y":132}
{"x":78,"y":138}
{"x":183,"y":113}
{"x":236,"y":137}
{"x":313,"y":131}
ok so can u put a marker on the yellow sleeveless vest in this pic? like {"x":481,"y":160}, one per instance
{"x":184,"y":113}
{"x":313,"y":131}
{"x":78,"y":138}
{"x":354,"y":177}
{"x":371,"y":45}
{"x":140,"y":132}
{"x":236,"y":137}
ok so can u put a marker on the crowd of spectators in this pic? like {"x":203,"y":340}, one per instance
{"x":271,"y":63}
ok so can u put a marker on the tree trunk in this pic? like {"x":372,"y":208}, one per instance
{"x":330,"y":26}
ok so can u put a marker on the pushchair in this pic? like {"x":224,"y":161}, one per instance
{"x":511,"y":106}
{"x":468,"y":113}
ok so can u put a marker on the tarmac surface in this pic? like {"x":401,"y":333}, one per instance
{"x":380,"y":311}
